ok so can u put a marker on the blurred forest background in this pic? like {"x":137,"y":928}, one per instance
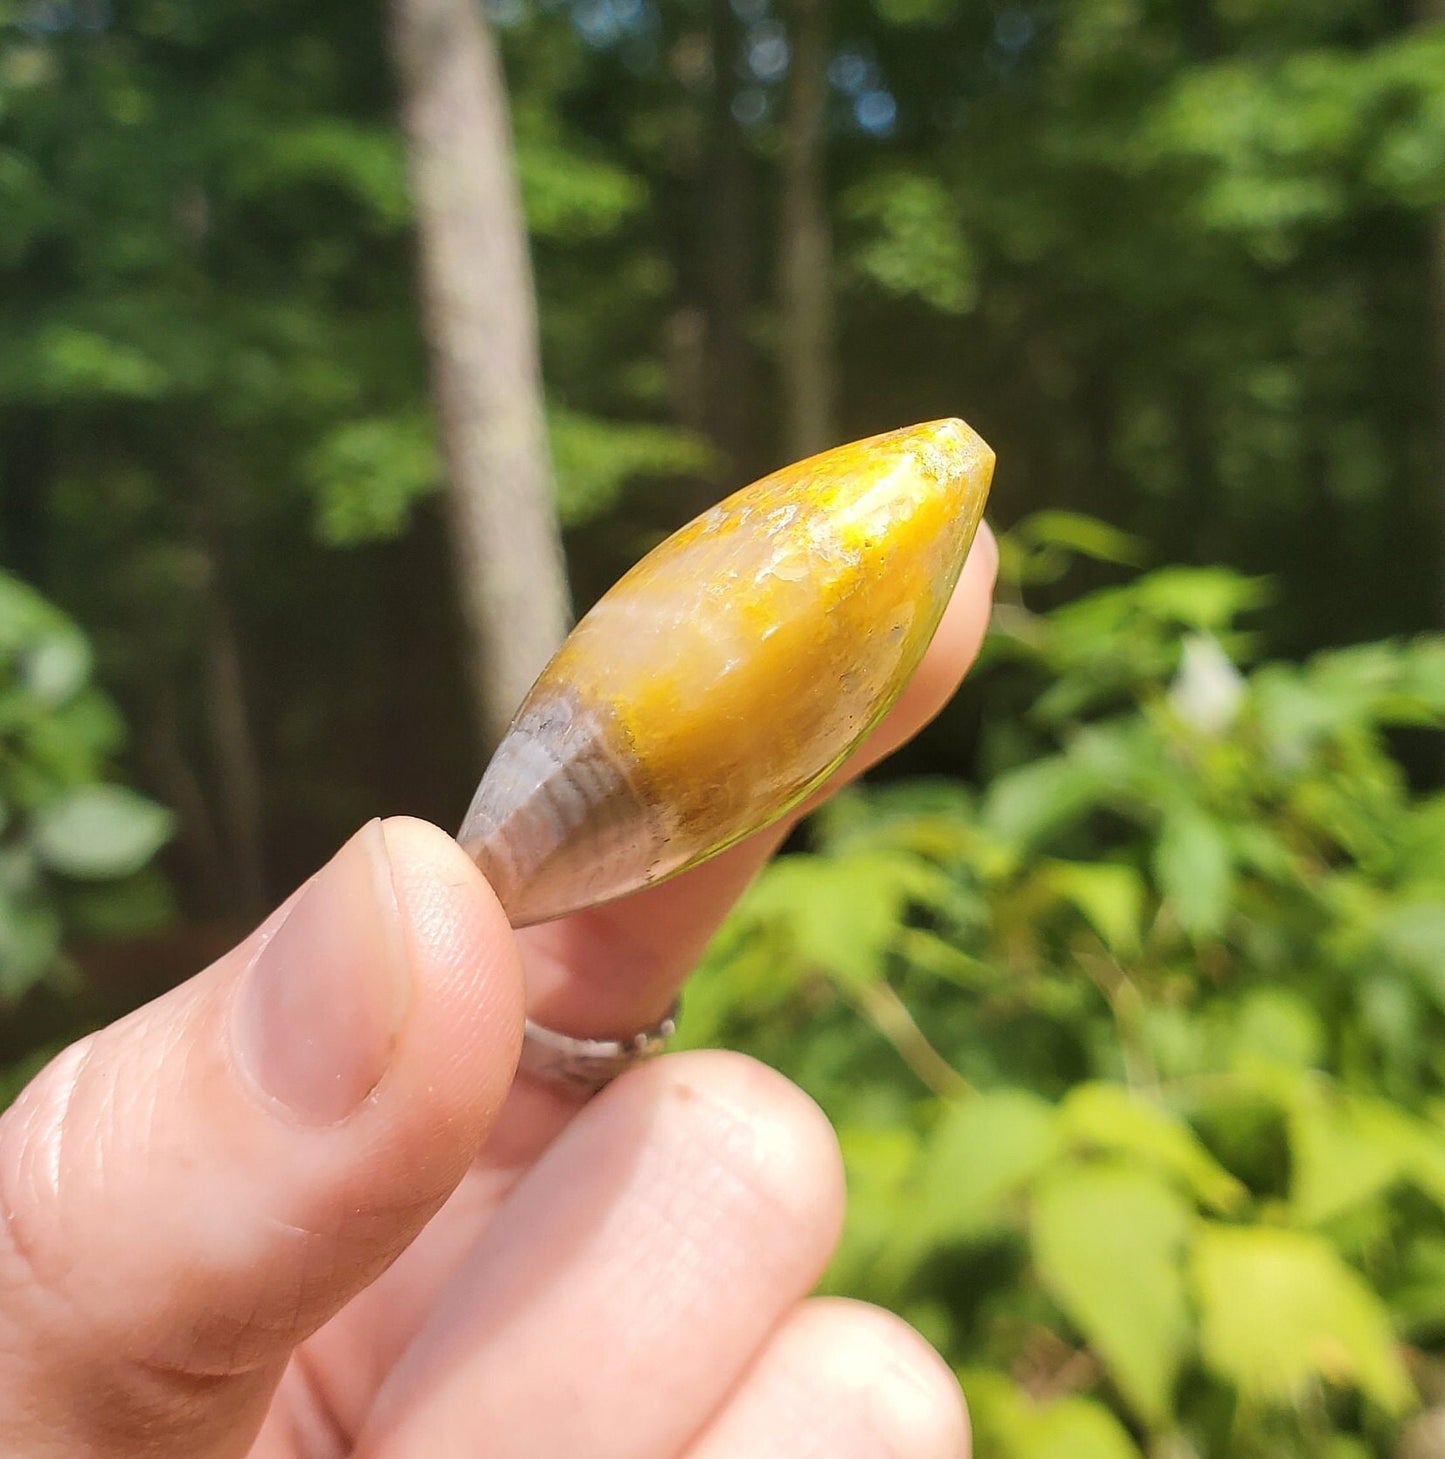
{"x":1127,"y":987}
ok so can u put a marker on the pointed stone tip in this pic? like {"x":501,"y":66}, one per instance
{"x":954,"y":454}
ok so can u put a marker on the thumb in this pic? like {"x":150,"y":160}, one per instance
{"x":187,"y":1194}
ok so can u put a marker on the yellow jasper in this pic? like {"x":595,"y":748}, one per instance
{"x":730,"y":672}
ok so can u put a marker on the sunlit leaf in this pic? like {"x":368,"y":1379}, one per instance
{"x":1203,"y":598}
{"x":1009,"y":1425}
{"x":1344,"y":1150}
{"x":1277,"y":1025}
{"x":1112,"y":1118}
{"x":100,"y":831}
{"x":983,"y":1151}
{"x":1029,"y":804}
{"x":1412,"y":933}
{"x":1208,"y":691}
{"x":913,"y":241}
{"x":368,"y":474}
{"x":567,"y":193}
{"x":596,"y":459}
{"x":843,"y":913}
{"x":367,"y":163}
{"x":877,"y":1163}
{"x":1279,"y":1308}
{"x":1108,"y":1242}
{"x":57,"y":667}
{"x":1086,"y":536}
{"x":1110,"y":897}
{"x":1195,"y":869}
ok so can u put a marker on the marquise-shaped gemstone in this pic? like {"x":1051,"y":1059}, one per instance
{"x":728,"y":673}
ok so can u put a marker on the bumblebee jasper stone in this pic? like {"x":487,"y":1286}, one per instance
{"x":730,"y":672}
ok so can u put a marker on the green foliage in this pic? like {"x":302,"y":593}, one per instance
{"x":73,"y":848}
{"x":911,"y":241}
{"x":1106,"y":1243}
{"x":1010,"y":1426}
{"x":1173,"y":262}
{"x":596,"y":459}
{"x":1278,"y":1309}
{"x":367,"y":474}
{"x":1134,"y":1055}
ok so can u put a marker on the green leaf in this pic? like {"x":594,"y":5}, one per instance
{"x":98,"y":832}
{"x":1195,"y":870}
{"x":874,"y":1256}
{"x":1417,"y":1299}
{"x":1031,"y":803}
{"x":1344,"y":1151}
{"x":1086,"y":536}
{"x":913,"y":243}
{"x":985,"y":1149}
{"x":596,"y":459}
{"x":1110,"y":1117}
{"x":1108,"y":1243}
{"x":1412,"y":933}
{"x":29,"y":944}
{"x":115,"y":910}
{"x":1423,"y":1146}
{"x":56,"y":668}
{"x":1008,"y":1425}
{"x":27,"y":619}
{"x":1420,"y":847}
{"x":842,"y":913}
{"x":1110,"y":897}
{"x":72,"y":362}
{"x":368,"y":163}
{"x":1280,"y":1308}
{"x":1277,"y":1026}
{"x":1208,"y":599}
{"x":569,"y":195}
{"x":368,"y":474}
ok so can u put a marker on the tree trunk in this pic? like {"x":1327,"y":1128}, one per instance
{"x":482,"y":328}
{"x":238,"y":766}
{"x":27,"y":468}
{"x":728,"y":248}
{"x":230,"y":733}
{"x":1436,"y":421}
{"x":170,"y":772}
{"x":806,"y":246}
{"x":1428,"y":14}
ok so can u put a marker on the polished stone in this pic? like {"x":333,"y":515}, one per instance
{"x":730,"y":672}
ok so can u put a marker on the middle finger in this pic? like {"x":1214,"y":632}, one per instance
{"x":616,"y":1298}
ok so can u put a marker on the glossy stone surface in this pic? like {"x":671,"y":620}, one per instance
{"x":730,"y":672}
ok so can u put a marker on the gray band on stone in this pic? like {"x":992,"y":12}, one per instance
{"x":590,"y":1064}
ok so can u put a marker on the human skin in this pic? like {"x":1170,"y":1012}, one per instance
{"x":300,"y":1207}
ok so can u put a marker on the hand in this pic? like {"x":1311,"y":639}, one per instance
{"x":298,"y":1208}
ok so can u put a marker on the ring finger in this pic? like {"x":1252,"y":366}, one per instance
{"x":840,"y":1380}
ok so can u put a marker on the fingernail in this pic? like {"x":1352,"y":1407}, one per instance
{"x":318,"y":1017}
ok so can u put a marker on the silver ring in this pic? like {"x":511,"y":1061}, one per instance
{"x":590,"y":1064}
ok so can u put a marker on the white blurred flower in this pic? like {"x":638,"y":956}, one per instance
{"x":1208,"y":689}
